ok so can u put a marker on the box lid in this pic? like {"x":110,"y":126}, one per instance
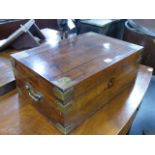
{"x":71,"y":61}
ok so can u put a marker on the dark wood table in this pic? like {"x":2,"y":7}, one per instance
{"x":20,"y":117}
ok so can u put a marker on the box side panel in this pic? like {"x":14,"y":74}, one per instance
{"x":34,"y":90}
{"x":115,"y":82}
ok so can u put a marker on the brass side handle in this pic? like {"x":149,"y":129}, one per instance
{"x":36,"y":96}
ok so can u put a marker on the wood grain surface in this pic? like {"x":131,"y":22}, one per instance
{"x":96,"y":67}
{"x":77,"y":58}
{"x":7,"y":79}
{"x":19,"y":117}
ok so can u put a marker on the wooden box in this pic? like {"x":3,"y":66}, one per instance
{"x":71,"y":80}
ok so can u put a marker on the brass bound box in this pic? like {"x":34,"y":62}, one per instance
{"x":71,"y":80}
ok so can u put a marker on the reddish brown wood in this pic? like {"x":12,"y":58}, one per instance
{"x":20,"y":117}
{"x":96,"y":68}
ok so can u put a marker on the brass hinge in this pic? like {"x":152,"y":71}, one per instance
{"x":63,"y":83}
{"x":63,"y":90}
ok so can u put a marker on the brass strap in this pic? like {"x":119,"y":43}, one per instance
{"x":64,"y":130}
{"x":63,"y":96}
{"x":64,"y":107}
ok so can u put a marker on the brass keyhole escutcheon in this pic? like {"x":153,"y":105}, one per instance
{"x":111,"y":82}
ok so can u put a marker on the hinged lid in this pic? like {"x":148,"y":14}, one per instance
{"x":67,"y":63}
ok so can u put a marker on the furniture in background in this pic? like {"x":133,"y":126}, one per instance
{"x":110,"y":27}
{"x":145,"y":117}
{"x":144,"y":36}
{"x":7,"y":79}
{"x":9,"y":26}
{"x":26,"y":36}
{"x":145,"y":26}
